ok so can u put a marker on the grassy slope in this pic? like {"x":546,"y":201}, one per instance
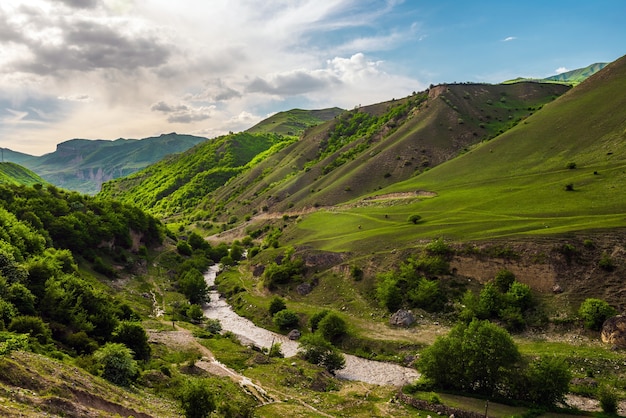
{"x":573,"y":77}
{"x":513,"y":184}
{"x":294,"y":122}
{"x":15,"y":174}
{"x":452,"y":120}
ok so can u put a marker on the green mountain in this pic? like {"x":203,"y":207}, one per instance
{"x":573,"y":77}
{"x":11,"y":173}
{"x":83,"y":165}
{"x":558,"y":171}
{"x":294,"y":122}
{"x":357,"y":152}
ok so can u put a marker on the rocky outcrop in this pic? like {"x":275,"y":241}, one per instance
{"x":402,"y":318}
{"x":614,"y":331}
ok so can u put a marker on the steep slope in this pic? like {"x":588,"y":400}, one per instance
{"x":179,"y":183}
{"x":560,"y":170}
{"x":15,"y":174}
{"x":83,"y":165}
{"x":372,"y":147}
{"x":15,"y":157}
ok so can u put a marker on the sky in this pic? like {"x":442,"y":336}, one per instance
{"x":106,"y":69}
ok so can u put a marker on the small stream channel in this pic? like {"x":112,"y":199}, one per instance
{"x":369,"y":371}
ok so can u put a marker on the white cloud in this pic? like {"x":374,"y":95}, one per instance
{"x":509,"y":38}
{"x":561,"y":70}
{"x":122,"y":68}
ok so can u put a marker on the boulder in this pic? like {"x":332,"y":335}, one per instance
{"x":402,"y":318}
{"x":304,"y":289}
{"x":294,"y":334}
{"x":614,"y":331}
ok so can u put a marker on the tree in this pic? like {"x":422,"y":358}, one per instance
{"x":32,"y":325}
{"x":116,"y":363}
{"x":286,"y":319}
{"x":594,"y":312}
{"x":196,"y":400}
{"x":316,"y":318}
{"x":276,"y":305}
{"x":316,"y":350}
{"x":332,"y":327}
{"x":133,"y":336}
{"x":548,"y":381}
{"x":193,"y":286}
{"x":503,"y":280}
{"x":475,"y":358}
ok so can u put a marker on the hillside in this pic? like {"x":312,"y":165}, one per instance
{"x":355,"y":153}
{"x":573,"y":77}
{"x":11,"y":173}
{"x":294,"y":122}
{"x":83,"y":165}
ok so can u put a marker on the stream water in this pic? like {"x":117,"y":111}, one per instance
{"x":369,"y":371}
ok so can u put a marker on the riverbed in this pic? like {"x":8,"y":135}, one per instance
{"x":357,"y":368}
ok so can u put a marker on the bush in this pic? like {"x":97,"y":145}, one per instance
{"x":133,"y":336}
{"x":32,"y":325}
{"x":286,"y":319}
{"x":184,"y":248}
{"x":608,"y":399}
{"x":594,"y":312}
{"x":276,"y":305}
{"x":214,"y":326}
{"x":196,"y":399}
{"x":503,"y":280}
{"x":477,"y":357}
{"x":316,"y":318}
{"x":414,"y":219}
{"x":316,"y":350}
{"x":332,"y":327}
{"x":116,"y":364}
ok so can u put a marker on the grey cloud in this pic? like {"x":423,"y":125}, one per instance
{"x":216,"y":91}
{"x":293,"y":83}
{"x":166,"y":108}
{"x":187,"y":117}
{"x":80,"y":4}
{"x":182,"y":113}
{"x":85,"y":45}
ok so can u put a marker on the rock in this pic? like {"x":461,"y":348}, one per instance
{"x":614,"y":331}
{"x":402,"y":318}
{"x":304,"y":289}
{"x":557,"y":289}
{"x":294,"y":335}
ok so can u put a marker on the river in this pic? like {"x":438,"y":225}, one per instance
{"x":360,"y":369}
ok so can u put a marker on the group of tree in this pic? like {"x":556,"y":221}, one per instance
{"x":504,"y":299}
{"x":46,"y":297}
{"x":414,"y":284}
{"x":288,"y":269}
{"x":481,"y":358}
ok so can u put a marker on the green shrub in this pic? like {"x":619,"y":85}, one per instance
{"x":286,"y":319}
{"x":32,"y":325}
{"x":116,"y":364}
{"x":196,"y":398}
{"x":332,"y":327}
{"x":594,"y":312}
{"x":414,"y":219}
{"x":316,"y":318}
{"x":277,"y":304}
{"x":609,"y":400}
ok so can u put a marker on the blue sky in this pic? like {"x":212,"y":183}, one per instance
{"x":104,"y":69}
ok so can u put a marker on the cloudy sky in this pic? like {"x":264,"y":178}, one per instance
{"x":104,"y":69}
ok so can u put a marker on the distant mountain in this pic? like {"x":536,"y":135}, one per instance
{"x":83,"y":165}
{"x":573,"y":77}
{"x":12,"y":173}
{"x":8,"y":155}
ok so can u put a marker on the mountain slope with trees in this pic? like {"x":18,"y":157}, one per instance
{"x":11,"y":173}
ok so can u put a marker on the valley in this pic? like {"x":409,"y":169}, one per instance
{"x":467,"y":206}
